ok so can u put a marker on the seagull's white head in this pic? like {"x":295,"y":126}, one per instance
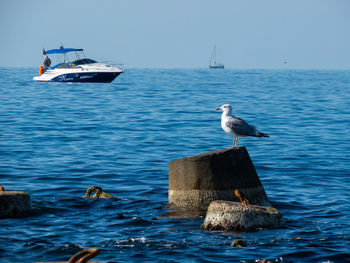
{"x":226,"y":108}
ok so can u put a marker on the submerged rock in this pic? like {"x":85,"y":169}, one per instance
{"x":14,"y":204}
{"x":84,"y":255}
{"x":238,"y":243}
{"x":99,"y":193}
{"x":233,"y":216}
{"x":81,"y":257}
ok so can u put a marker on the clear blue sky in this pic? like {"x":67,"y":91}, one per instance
{"x":180,"y":34}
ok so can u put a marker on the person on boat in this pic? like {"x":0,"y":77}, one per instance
{"x":47,"y":62}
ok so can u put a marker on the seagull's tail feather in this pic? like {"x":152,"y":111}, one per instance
{"x":261,"y":134}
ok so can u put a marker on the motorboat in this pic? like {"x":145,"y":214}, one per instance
{"x":81,"y":69}
{"x":213,"y":64}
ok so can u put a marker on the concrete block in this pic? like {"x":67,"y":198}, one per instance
{"x":14,"y":204}
{"x":198,"y":180}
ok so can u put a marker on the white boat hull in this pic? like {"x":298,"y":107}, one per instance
{"x":97,"y":72}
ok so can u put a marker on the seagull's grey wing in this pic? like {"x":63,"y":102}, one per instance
{"x":240,"y":127}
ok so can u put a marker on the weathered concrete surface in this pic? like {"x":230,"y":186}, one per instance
{"x":233,"y":216}
{"x":198,"y":180}
{"x":14,"y":204}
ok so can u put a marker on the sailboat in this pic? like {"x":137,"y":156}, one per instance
{"x":213,"y":63}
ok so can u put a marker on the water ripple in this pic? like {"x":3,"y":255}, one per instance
{"x":57,"y":140}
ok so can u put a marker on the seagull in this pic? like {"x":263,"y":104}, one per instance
{"x":236,"y":126}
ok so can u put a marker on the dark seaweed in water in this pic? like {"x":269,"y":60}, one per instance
{"x":56,"y":140}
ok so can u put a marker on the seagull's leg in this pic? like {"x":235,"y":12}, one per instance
{"x":234,"y":141}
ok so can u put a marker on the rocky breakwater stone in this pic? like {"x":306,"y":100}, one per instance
{"x":14,"y":204}
{"x":233,"y":216}
{"x":198,"y":180}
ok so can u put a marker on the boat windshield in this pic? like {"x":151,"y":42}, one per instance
{"x":65,"y":65}
{"x":84,"y":61}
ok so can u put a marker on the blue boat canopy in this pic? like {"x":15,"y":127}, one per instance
{"x":61,"y":50}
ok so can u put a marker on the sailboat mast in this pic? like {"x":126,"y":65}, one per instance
{"x":214,"y":54}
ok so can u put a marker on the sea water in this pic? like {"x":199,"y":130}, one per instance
{"x":58,"y":139}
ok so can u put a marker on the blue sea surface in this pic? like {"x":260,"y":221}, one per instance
{"x":58,"y":139}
